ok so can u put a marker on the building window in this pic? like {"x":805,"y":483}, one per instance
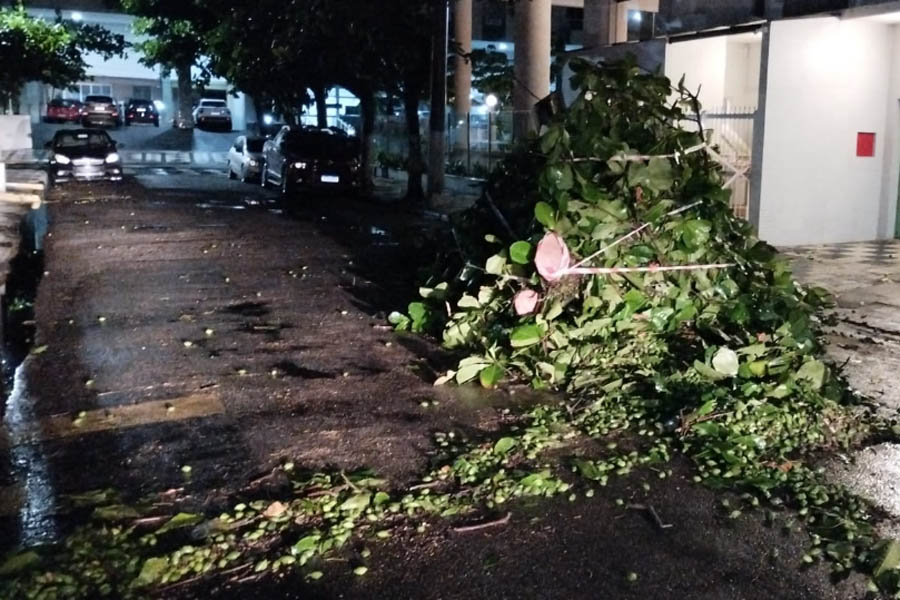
{"x":141,"y":92}
{"x":94,"y":89}
{"x":493,"y":23}
{"x":640,"y":25}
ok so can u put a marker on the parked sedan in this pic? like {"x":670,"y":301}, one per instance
{"x":83,"y":154}
{"x":61,"y":110}
{"x":312,"y":160}
{"x":141,"y":111}
{"x":101,"y":110}
{"x":245,"y":158}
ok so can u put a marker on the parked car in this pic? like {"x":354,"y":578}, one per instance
{"x":83,"y":154}
{"x":245,"y":158}
{"x":101,"y":110}
{"x":61,"y":110}
{"x":141,"y":111}
{"x":313,"y":160}
{"x":212,"y":112}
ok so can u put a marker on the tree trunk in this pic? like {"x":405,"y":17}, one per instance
{"x":183,"y":116}
{"x":415,"y":164}
{"x":321,"y":94}
{"x":367,"y":106}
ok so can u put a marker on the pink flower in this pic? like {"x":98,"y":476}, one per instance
{"x":551,"y":257}
{"x":526,"y":302}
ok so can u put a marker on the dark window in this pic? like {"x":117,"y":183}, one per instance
{"x":493,"y":22}
{"x":81,"y":140}
{"x":142,"y":92}
{"x":640,"y":25}
{"x":320,"y":145}
{"x":101,"y":99}
{"x":255,"y":145}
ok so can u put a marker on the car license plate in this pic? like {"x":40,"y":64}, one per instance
{"x":330,"y":179}
{"x":142,"y":110}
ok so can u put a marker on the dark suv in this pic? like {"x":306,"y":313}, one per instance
{"x":101,"y":110}
{"x":141,"y":111}
{"x":311,"y":159}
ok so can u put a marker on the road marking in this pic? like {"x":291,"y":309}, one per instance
{"x":201,"y":404}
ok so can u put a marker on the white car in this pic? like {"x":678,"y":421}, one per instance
{"x":245,"y":158}
{"x":211,"y":111}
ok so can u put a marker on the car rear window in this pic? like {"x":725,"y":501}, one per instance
{"x":255,"y":145}
{"x":140,"y":102}
{"x":105,"y":99}
{"x":82,"y":139}
{"x":62,"y":102}
{"x":322,"y":145}
{"x":213,"y":103}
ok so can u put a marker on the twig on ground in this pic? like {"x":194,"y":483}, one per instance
{"x":501,"y":521}
{"x":648,"y":508}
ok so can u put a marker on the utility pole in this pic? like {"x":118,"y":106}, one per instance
{"x":438,"y":119}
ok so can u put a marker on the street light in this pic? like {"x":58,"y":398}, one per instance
{"x":77,"y":16}
{"x":490,"y":101}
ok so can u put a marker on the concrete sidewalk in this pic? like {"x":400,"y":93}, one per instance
{"x":865,"y":280}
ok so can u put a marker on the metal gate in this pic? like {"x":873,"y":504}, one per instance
{"x":730,"y":131}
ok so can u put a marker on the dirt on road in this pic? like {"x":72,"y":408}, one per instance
{"x":185,"y":329}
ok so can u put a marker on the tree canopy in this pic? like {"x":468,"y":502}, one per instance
{"x":52,"y":52}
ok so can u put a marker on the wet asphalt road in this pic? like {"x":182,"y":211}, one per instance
{"x":186,"y":320}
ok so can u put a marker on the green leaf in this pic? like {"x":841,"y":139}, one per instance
{"x":525,"y":335}
{"x":520,"y":252}
{"x":380,"y":498}
{"x":356,"y":501}
{"x":725,"y":361}
{"x":116,"y":512}
{"x":490,"y":375}
{"x":467,"y":301}
{"x":890,"y":559}
{"x":812,"y":371}
{"x":707,"y":371}
{"x":152,"y":571}
{"x":695,"y":233}
{"x":659,"y":174}
{"x":504,"y":445}
{"x":309,"y":542}
{"x":560,"y":176}
{"x":545,"y":215}
{"x":182,"y":519}
{"x":495,"y":264}
{"x":19,"y":562}
{"x":468,"y":372}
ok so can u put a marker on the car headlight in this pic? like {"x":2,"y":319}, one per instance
{"x":61,"y":159}
{"x":253,"y":162}
{"x":300,"y":165}
{"x":113,"y":157}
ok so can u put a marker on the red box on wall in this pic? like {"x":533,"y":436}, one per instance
{"x":865,"y":143}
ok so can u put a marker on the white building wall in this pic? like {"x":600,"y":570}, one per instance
{"x":741,"y":89}
{"x":702,"y":63}
{"x":827,"y":80}
{"x":890,"y":183}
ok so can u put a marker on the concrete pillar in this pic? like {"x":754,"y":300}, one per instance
{"x":532,"y":62}
{"x":168,"y":100}
{"x":596,"y":23}
{"x":462,"y":78}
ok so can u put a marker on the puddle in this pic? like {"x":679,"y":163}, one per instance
{"x":248,"y":309}
{"x":381,"y":237}
{"x":264,"y":328}
{"x":37,"y":498}
{"x":150,"y":228}
{"x":294,"y":370}
{"x":209,"y":205}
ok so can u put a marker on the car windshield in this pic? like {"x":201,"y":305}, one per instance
{"x":104,"y":99}
{"x":255,"y":145}
{"x":93,"y":139}
{"x":321,"y":145}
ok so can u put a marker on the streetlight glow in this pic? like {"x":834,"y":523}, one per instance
{"x":77,"y":16}
{"x":491,"y":101}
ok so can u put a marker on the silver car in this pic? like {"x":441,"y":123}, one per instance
{"x":245,"y":158}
